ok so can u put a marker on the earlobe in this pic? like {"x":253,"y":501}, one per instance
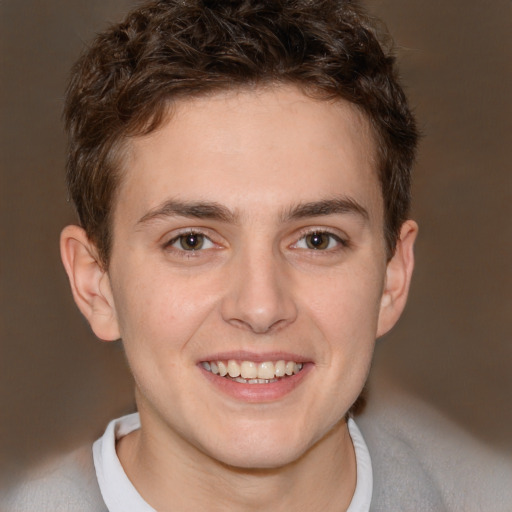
{"x":398,"y":278}
{"x":89,"y":282}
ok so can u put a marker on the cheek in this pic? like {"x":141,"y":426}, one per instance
{"x":159,"y":311}
{"x":157,"y":324}
{"x":346,"y":305}
{"x":347,"y":312}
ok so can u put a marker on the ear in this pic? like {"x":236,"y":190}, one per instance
{"x":90,"y":283}
{"x":398,"y":278}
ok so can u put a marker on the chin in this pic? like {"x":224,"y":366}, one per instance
{"x":260,"y":459}
{"x":255,"y":450}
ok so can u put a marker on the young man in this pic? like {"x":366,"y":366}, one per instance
{"x":241,"y":174}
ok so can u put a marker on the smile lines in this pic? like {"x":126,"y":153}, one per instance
{"x":249,"y":372}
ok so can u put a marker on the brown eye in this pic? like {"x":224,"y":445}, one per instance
{"x":191,"y":241}
{"x":318,"y":240}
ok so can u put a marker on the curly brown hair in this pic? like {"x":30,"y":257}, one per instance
{"x":124,"y":83}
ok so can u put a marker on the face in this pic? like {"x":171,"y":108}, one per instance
{"x":248,"y":239}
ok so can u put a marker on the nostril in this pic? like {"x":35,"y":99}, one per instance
{"x":259,"y":328}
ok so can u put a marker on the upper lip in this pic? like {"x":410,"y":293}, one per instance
{"x":257,"y":357}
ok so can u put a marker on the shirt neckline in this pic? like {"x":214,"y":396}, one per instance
{"x":120,"y":495}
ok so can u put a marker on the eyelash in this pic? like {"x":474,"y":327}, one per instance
{"x":189,"y":252}
{"x":342,"y":243}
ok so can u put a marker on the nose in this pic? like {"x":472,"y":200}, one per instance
{"x":259,"y":296}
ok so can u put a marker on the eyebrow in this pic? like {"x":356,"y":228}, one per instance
{"x":215,"y":211}
{"x":337,"y":205}
{"x":195,"y":210}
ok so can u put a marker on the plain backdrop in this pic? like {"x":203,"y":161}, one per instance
{"x":453,"y":345}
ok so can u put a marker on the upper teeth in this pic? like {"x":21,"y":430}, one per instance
{"x":251,"y":370}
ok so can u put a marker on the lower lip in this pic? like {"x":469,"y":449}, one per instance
{"x":258,"y":393}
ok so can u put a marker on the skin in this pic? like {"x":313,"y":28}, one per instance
{"x":256,"y":286}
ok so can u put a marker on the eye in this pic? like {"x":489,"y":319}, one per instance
{"x":191,"y":242}
{"x":319,"y":241}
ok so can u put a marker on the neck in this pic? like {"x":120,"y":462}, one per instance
{"x":171,"y":475}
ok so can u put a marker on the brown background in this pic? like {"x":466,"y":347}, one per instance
{"x":453,"y":346}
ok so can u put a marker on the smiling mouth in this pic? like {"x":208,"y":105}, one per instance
{"x":249,"y":372}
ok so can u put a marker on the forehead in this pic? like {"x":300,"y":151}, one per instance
{"x":251,"y":149}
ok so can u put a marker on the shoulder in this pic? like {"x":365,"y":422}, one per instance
{"x":424,"y":462}
{"x":65,"y":483}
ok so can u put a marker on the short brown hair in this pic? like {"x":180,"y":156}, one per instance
{"x":170,"y":49}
